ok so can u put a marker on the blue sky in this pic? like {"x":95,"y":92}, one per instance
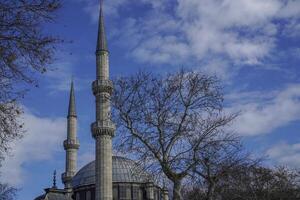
{"x":252,"y":45}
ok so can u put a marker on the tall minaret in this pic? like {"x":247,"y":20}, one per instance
{"x":71,"y":144}
{"x":103,"y":129}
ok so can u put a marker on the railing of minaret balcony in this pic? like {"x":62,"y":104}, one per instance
{"x":67,"y":175}
{"x":102,"y":86}
{"x":71,"y":143}
{"x":103,"y":127}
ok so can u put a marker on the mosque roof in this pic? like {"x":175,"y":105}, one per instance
{"x":123,"y":171}
{"x":54,"y":194}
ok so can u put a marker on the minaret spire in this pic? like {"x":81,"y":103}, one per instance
{"x":101,"y":41}
{"x":71,"y":144}
{"x":103,"y":129}
{"x":72,"y":107}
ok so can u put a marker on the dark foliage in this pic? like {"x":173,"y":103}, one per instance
{"x":25,"y":49}
{"x":7,"y":192}
{"x":251,"y":182}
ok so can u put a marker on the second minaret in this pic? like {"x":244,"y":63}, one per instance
{"x":71,"y":144}
{"x":103,"y":128}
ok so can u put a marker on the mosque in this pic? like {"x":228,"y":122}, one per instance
{"x":108,"y":177}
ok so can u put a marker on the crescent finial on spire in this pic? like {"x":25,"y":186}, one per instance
{"x":54,"y":180}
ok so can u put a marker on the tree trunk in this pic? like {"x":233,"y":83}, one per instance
{"x":177,"y":190}
{"x":210,"y":191}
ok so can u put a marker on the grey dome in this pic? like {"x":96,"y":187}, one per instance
{"x":123,"y":170}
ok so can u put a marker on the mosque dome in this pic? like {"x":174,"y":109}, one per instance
{"x":124,"y":170}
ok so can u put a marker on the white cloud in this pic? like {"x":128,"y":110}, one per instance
{"x":285,"y":154}
{"x":148,"y":50}
{"x":85,"y":158}
{"x":86,"y":153}
{"x":61,"y":73}
{"x":292,"y":29}
{"x":111,"y":8}
{"x":218,"y":67}
{"x":241,"y":31}
{"x":263,"y":112}
{"x":43,"y":138}
{"x":60,"y":76}
{"x":290,"y":9}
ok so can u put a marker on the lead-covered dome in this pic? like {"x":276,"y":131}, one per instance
{"x":123,"y":171}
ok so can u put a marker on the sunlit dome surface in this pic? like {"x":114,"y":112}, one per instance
{"x":123,"y":170}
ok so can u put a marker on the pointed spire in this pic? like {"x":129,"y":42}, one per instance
{"x":101,"y":42}
{"x":54,"y":179}
{"x":72,"y":106}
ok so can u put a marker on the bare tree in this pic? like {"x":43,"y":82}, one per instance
{"x":252,"y":182}
{"x":24,"y":50}
{"x":215,"y":162}
{"x":7,"y":192}
{"x":262,"y":183}
{"x":167,"y":121}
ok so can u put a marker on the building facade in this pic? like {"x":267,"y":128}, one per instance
{"x":108,"y":177}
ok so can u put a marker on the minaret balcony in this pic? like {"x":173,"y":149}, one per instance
{"x":103,"y":127}
{"x":71,"y":144}
{"x":67,"y":176}
{"x":100,"y":86}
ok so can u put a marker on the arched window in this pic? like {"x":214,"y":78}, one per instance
{"x":136,"y":193}
{"x":125,"y":192}
{"x":156,"y":197}
{"x":77,"y":196}
{"x":88,"y":195}
{"x":115,"y":193}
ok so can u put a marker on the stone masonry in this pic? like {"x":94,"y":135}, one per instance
{"x":71,"y":144}
{"x":103,"y":129}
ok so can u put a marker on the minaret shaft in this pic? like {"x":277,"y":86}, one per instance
{"x":71,"y":161}
{"x":71,"y":128}
{"x":103,"y":129}
{"x":102,"y":59}
{"x":104,"y":168}
{"x":71,"y":144}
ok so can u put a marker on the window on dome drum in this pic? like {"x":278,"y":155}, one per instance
{"x":88,"y":195}
{"x":125,"y":192}
{"x":136,"y":193}
{"x":115,"y":193}
{"x":156,"y":194}
{"x":77,"y":196}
